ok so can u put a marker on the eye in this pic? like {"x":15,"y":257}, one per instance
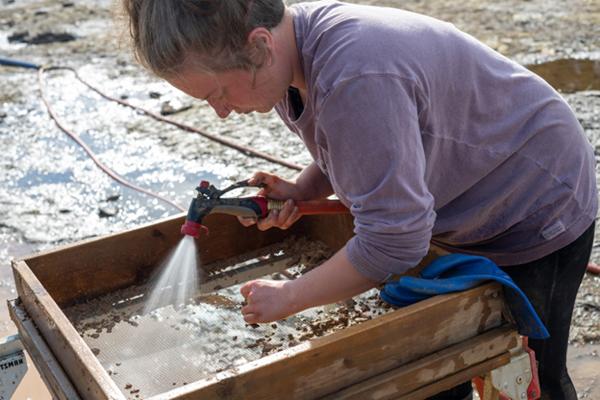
{"x":220,"y":94}
{"x":217,"y":95}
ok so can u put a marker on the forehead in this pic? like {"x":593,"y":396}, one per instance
{"x":199,"y":84}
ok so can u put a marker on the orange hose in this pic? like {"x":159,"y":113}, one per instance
{"x":246,"y":150}
{"x":89,"y":151}
{"x":314,"y":207}
{"x":593,"y":268}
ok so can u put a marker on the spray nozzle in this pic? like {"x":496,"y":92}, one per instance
{"x":208,"y":200}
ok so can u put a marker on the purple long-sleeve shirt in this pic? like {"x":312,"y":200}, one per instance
{"x":427,"y":134}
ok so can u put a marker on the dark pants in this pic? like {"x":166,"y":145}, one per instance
{"x":551,"y":284}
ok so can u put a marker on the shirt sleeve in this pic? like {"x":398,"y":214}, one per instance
{"x":368,"y":134}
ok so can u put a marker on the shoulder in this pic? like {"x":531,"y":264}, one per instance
{"x":339,"y":42}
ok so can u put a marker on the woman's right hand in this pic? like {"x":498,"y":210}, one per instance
{"x":275,"y":188}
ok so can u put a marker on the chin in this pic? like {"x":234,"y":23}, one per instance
{"x":264,"y":110}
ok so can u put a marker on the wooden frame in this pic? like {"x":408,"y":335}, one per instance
{"x":50,"y":370}
{"x":411,"y":352}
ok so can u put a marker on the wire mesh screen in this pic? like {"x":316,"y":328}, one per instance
{"x":150,"y":352}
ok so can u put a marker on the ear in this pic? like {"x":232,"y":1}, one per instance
{"x":260,"y":46}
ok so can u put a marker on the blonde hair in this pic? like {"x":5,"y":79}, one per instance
{"x":214,"y":33}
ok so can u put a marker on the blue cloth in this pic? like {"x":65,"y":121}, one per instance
{"x":457,"y":272}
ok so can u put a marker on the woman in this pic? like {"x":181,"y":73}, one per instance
{"x":426,"y":134}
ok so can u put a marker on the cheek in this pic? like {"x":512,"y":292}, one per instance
{"x":244,"y":96}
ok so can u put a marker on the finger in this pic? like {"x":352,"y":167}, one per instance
{"x":251,"y":318}
{"x":250,"y":309}
{"x":264,"y":180}
{"x":284,"y":214}
{"x":246,"y":289}
{"x":247,"y":221}
{"x":294,"y":216}
{"x":257,"y":178}
{"x":268,"y":222}
{"x":262,"y":177}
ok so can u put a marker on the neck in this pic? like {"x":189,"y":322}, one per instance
{"x":291,"y":47}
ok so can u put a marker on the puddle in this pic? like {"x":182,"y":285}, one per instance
{"x":570,"y":75}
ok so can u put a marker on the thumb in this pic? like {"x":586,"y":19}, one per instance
{"x":246,"y":289}
{"x":247,"y":221}
{"x":259,"y":178}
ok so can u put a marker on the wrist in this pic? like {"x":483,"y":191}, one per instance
{"x":312,"y":184}
{"x":294,"y":298}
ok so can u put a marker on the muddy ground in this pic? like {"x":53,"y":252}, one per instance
{"x":51,"y":193}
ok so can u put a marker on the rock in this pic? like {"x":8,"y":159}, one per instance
{"x":154,"y":95}
{"x":18,"y":37}
{"x":41,"y":38}
{"x":166,"y":108}
{"x":7,"y":23}
{"x":105,"y":212}
{"x":113,"y":197}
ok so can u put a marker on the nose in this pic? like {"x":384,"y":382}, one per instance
{"x":220,"y":108}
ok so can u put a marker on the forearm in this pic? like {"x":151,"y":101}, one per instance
{"x":334,"y":280}
{"x":313,"y":184}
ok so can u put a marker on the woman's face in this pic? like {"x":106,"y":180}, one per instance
{"x":235,"y":90}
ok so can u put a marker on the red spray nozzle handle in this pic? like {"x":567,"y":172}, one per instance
{"x":315,"y":207}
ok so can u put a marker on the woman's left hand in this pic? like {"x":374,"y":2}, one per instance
{"x":267,"y":300}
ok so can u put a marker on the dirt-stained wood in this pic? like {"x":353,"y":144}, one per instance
{"x":457,"y":379}
{"x":333,"y":230}
{"x":312,"y":369}
{"x":432,"y":371}
{"x":229,"y":238}
{"x":328,"y":364}
{"x":50,"y":370}
{"x":119,"y":260}
{"x":76,"y":358}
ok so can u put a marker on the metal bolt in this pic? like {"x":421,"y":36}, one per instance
{"x":523,"y":395}
{"x":519,"y":380}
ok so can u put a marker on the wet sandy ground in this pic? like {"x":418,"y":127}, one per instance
{"x":51,"y":193}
